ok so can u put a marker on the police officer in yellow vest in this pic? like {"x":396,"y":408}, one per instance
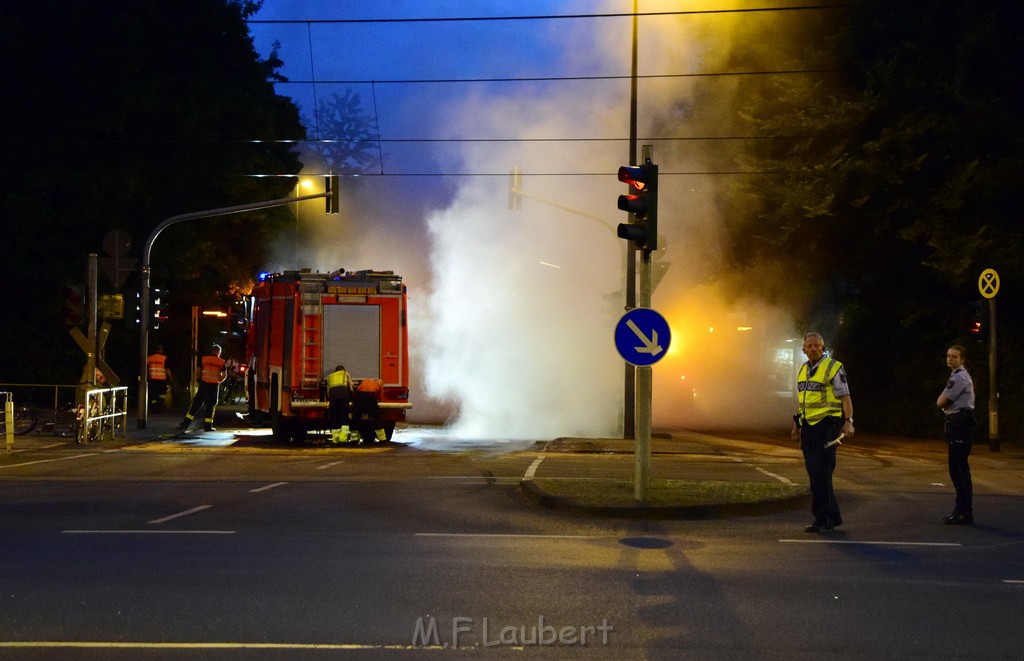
{"x":826,"y":411}
{"x":339,"y":392}
{"x":209,"y":374}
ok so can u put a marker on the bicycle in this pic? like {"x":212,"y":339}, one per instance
{"x":59,"y":422}
{"x":25,"y":420}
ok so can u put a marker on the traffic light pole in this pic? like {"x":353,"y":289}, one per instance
{"x":644,"y":378}
{"x":143,"y":404}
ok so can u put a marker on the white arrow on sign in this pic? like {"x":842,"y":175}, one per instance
{"x":651,"y":345}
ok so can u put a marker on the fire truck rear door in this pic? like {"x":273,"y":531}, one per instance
{"x":352,"y":338}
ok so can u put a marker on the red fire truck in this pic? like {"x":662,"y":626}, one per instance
{"x":303,"y":323}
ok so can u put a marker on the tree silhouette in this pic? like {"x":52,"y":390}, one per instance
{"x":347,"y":135}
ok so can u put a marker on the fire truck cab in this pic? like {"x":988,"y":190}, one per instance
{"x":304,"y":323}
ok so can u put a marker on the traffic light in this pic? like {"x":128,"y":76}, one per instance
{"x":74,"y":305}
{"x":642,"y":202}
{"x":333,"y":195}
{"x":132,"y":308}
{"x":976,"y":327}
{"x":158,"y":307}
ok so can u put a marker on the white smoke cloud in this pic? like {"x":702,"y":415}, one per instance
{"x":520,"y":311}
{"x":512,"y":312}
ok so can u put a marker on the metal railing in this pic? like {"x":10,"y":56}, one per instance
{"x":105,"y":415}
{"x":33,"y":388}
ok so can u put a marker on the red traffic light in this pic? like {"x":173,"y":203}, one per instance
{"x":634,"y":175}
{"x":642,"y":204}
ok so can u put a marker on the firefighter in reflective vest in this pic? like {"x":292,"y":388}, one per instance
{"x":159,"y":378}
{"x":366,"y":413}
{"x":339,"y":392}
{"x":209,"y":374}
{"x":826,"y":411}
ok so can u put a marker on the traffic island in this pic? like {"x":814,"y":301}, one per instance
{"x":667,"y":499}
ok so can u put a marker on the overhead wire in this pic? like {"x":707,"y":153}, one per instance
{"x":548,"y":17}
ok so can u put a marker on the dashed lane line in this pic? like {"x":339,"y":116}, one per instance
{"x":501,"y":535}
{"x":267,"y":487}
{"x":47,"y":461}
{"x":865,"y":543}
{"x":179,"y":514}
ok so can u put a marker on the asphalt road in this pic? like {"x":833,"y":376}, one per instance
{"x":427,"y":549}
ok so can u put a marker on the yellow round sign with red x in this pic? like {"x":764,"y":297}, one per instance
{"x":988,"y":283}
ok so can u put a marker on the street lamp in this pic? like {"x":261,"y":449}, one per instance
{"x":143,"y":405}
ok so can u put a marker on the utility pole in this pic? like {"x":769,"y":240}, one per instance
{"x":629,"y":389}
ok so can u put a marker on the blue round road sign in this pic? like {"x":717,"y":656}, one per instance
{"x":642,"y":337}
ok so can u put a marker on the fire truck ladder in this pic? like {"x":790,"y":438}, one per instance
{"x":312,"y":333}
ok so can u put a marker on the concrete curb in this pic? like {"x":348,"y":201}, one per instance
{"x":541,"y":498}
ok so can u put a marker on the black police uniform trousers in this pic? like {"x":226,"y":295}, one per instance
{"x":959,"y":432}
{"x":820,"y":463}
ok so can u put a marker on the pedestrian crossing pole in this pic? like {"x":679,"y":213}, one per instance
{"x":988,"y":286}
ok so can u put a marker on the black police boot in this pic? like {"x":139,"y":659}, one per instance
{"x":958,"y":519}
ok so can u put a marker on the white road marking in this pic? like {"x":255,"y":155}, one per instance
{"x":185,"y":513}
{"x":533,"y":468}
{"x":269,"y":486}
{"x":46,"y":461}
{"x":854,"y":541}
{"x":510,"y":536}
{"x":148,"y":531}
{"x":1013,"y":581}
{"x":333,"y":463}
{"x":41,"y":644}
{"x":784,"y":480}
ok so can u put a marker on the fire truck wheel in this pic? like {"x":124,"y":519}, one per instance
{"x":281,"y":429}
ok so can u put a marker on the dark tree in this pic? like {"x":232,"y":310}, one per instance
{"x":118,"y":115}
{"x":897,"y":184}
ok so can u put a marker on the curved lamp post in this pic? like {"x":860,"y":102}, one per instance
{"x":143,"y":407}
